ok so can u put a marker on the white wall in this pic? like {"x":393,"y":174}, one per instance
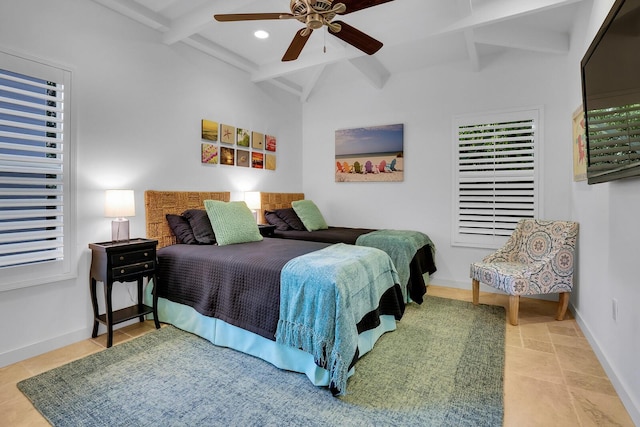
{"x":139,"y":104}
{"x":425,"y":101}
{"x":609,"y":235}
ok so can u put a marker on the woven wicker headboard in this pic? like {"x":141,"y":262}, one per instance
{"x":158,"y":204}
{"x":272,"y":201}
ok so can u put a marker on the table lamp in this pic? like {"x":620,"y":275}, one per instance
{"x":119,"y":204}
{"x":252,"y":199}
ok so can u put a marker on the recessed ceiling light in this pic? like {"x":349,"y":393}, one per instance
{"x":261,"y":34}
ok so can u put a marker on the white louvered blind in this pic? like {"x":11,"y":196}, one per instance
{"x":496,"y":180}
{"x":614,"y":142}
{"x":34,"y":179}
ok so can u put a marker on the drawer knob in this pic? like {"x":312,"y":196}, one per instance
{"x":122,"y":271}
{"x":146,"y":254}
{"x":121,"y":258}
{"x":146,"y":266}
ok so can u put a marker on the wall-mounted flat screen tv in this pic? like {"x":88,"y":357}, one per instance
{"x":611,"y":95}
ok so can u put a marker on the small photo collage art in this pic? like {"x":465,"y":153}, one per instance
{"x":228,"y":145}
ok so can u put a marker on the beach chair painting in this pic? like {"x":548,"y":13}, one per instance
{"x":376,"y":153}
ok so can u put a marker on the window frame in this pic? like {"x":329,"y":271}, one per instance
{"x":527,"y":185}
{"x":39,"y":273}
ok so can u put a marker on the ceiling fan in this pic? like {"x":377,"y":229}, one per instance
{"x":315,"y":14}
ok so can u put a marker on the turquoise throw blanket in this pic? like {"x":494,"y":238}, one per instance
{"x":323,"y":295}
{"x":401,"y":245}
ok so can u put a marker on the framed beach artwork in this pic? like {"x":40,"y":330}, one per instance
{"x":579,"y":146}
{"x":227,"y":134}
{"x":209,"y":130}
{"x":370,"y":154}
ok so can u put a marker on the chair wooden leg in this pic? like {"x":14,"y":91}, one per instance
{"x":475,"y":285}
{"x":514,"y":306}
{"x":563,"y":302}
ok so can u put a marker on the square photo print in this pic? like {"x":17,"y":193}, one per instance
{"x":257,"y":140}
{"x":209,"y":130}
{"x":209,"y":154}
{"x":227,"y":156}
{"x":243,"y":158}
{"x":227,"y":134}
{"x":244,"y":137}
{"x":270,"y":143}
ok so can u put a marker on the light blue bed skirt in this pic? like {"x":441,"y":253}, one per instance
{"x":224,"y":334}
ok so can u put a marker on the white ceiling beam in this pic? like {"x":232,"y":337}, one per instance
{"x":137,"y":12}
{"x":502,"y":10}
{"x":523,"y":38}
{"x":308,"y":88}
{"x":278,"y":69}
{"x":194,"y":21}
{"x":372,"y":69}
{"x":286,"y":85}
{"x":472,"y":50}
{"x":465,"y":7}
{"x":221,"y":53}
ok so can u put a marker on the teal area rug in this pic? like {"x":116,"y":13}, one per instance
{"x":443,"y":366}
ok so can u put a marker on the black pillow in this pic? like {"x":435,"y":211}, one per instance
{"x":201,"y":226}
{"x":181,"y":229}
{"x":274,"y":219}
{"x":290,"y":216}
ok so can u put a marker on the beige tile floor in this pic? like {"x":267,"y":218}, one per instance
{"x":552,"y":377}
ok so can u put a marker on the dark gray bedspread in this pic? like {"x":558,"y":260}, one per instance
{"x":240,"y":283}
{"x":421,"y":263}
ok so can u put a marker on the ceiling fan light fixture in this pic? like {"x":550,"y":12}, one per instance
{"x":261,"y":34}
{"x":315,"y":21}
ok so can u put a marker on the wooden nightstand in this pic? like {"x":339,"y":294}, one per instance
{"x":266,"y":230}
{"x":126,"y":261}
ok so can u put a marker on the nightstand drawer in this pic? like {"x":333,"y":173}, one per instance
{"x":125,"y":258}
{"x":127,"y":270}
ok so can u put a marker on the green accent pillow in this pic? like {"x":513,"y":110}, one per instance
{"x":232,"y":222}
{"x":309,"y":215}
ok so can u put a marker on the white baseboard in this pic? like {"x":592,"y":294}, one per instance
{"x":633,"y":408}
{"x":36,"y":349}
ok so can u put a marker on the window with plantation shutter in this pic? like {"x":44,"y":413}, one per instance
{"x":496,"y":175}
{"x":36,"y":208}
{"x":614,"y":143}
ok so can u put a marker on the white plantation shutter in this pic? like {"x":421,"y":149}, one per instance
{"x":496,"y":176}
{"x":35,"y":194}
{"x":614,"y":142}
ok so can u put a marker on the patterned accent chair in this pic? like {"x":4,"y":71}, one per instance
{"x":537,"y":259}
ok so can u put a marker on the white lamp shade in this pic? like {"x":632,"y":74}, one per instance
{"x":252,"y":199}
{"x":119,"y":203}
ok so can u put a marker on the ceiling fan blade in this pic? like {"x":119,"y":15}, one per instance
{"x":356,"y":38}
{"x":355,"y":5}
{"x":249,"y":16}
{"x":297,"y":44}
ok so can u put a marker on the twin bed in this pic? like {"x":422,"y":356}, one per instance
{"x":305,"y":306}
{"x":412,"y":252}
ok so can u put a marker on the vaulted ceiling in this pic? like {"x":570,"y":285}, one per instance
{"x":415,"y":33}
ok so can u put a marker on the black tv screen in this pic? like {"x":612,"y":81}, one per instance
{"x":611,"y":96}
